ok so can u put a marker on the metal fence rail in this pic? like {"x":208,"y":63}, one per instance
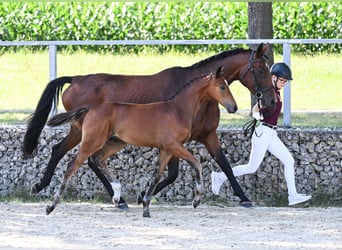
{"x":286,"y":43}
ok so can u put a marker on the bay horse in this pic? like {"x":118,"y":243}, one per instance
{"x":165,"y":125}
{"x":247,"y":66}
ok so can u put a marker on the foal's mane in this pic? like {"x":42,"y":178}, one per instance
{"x":187,"y":84}
{"x":219,"y":56}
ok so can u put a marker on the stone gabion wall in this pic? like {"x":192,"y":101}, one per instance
{"x":318,"y":155}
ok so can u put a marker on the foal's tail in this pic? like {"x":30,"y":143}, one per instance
{"x":70,"y":116}
{"x":38,"y":119}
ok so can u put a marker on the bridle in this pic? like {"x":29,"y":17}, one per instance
{"x":250,"y":126}
{"x":258,"y":90}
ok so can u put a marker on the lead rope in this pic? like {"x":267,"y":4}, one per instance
{"x":249,"y":127}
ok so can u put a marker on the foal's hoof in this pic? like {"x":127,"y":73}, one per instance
{"x":49,"y":209}
{"x":246,"y":204}
{"x":122,"y":206}
{"x":140,"y":197}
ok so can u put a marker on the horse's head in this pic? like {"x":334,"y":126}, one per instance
{"x":253,"y":72}
{"x":222,"y":92}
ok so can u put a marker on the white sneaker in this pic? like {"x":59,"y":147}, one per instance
{"x":298,"y":198}
{"x":217,"y":179}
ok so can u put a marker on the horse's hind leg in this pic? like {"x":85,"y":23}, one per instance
{"x":73,"y":166}
{"x":91,"y":143}
{"x":58,"y":151}
{"x":71,"y":170}
{"x":98,"y":165}
{"x":94,"y":166}
{"x":164,"y":157}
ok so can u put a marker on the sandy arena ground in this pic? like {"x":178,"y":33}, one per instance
{"x":100,"y":226}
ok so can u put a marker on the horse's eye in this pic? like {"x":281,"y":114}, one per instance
{"x":222,"y":87}
{"x":261,"y":71}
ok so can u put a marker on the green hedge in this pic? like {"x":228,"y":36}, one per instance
{"x":37,"y":21}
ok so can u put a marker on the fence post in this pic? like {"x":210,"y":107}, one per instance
{"x":53,"y":69}
{"x":53,"y":61}
{"x":287,"y":88}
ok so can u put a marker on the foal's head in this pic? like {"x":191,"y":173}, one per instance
{"x":220,"y":91}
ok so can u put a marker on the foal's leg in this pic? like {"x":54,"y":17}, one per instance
{"x":181,"y":152}
{"x":73,"y":166}
{"x":172,"y":174}
{"x":58,"y":151}
{"x":211,"y":141}
{"x":91,"y":143}
{"x":164,"y":157}
{"x":57,"y":197}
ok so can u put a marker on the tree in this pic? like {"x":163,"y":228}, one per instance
{"x":260,"y":24}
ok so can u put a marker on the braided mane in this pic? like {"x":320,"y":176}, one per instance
{"x":187,"y":84}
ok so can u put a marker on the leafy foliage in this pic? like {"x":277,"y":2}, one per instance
{"x":39,"y":21}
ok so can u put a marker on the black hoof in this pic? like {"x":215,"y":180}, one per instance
{"x":195,"y":203}
{"x":146,"y":215}
{"x":140,"y":197}
{"x":122,"y":206}
{"x":49,"y":209}
{"x":246,"y":204}
{"x":27,"y":155}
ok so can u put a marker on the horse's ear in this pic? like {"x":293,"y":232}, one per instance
{"x":261,"y":50}
{"x":219,"y":72}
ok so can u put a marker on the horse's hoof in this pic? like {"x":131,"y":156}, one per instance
{"x":246,"y":204}
{"x":195,"y":203}
{"x":49,"y":209}
{"x":34,"y":189}
{"x":27,"y":156}
{"x":122,"y":206}
{"x":140,"y":197}
{"x":146,"y":214}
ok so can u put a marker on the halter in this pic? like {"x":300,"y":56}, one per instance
{"x":249,"y":127}
{"x":225,"y":81}
{"x":258,"y":90}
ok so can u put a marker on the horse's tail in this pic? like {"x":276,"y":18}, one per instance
{"x":70,"y":116}
{"x":49,"y":97}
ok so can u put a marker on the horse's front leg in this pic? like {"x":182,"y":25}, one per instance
{"x":164,"y":157}
{"x":214,"y":148}
{"x":58,"y":151}
{"x":172,"y":174}
{"x":199,"y":189}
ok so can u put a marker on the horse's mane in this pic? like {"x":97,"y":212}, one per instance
{"x":188,"y":83}
{"x":219,"y":56}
